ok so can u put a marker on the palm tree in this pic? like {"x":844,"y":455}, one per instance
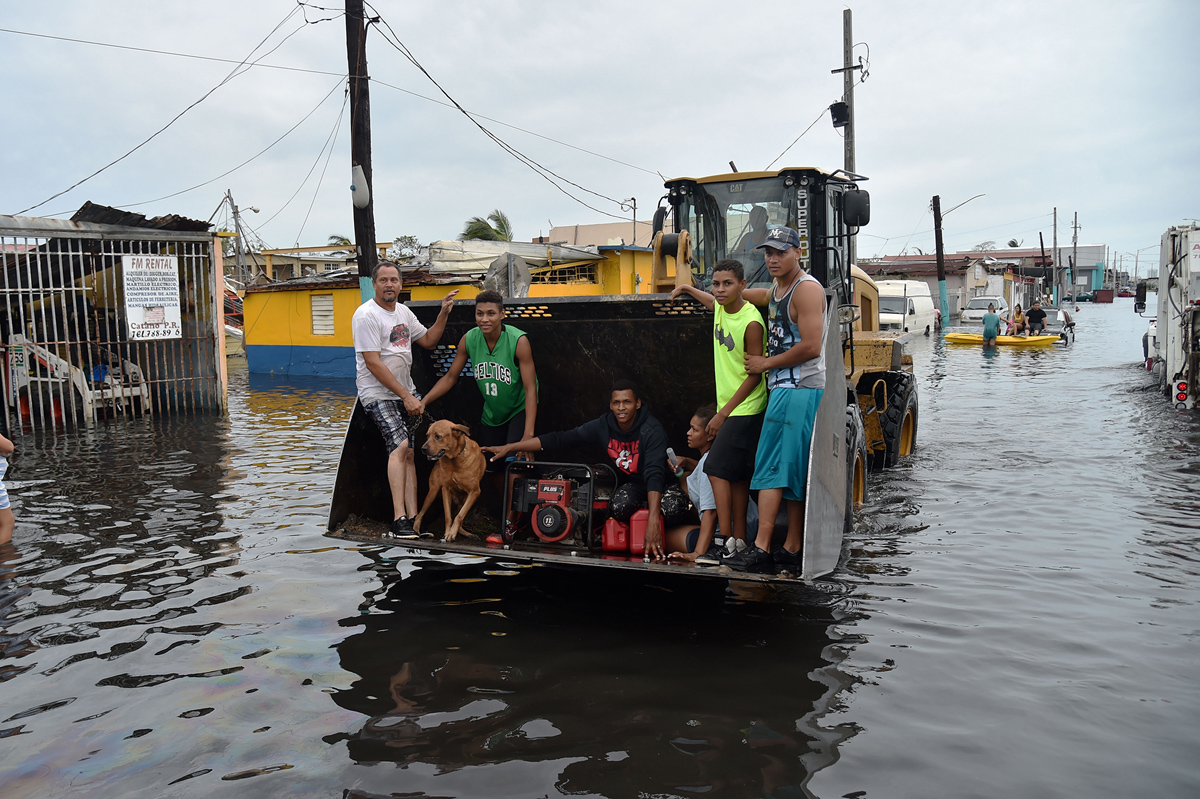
{"x":495,"y":228}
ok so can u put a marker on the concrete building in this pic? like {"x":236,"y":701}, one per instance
{"x":603,"y":234}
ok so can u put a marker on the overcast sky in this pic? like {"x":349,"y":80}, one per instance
{"x":1088,"y":106}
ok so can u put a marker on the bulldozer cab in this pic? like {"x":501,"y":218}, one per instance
{"x":727,"y":216}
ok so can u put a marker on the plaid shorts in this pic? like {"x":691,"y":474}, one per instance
{"x":391,"y":419}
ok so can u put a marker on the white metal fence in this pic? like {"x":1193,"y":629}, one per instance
{"x":70,"y":353}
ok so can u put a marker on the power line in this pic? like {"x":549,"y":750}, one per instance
{"x":541,"y":170}
{"x":328,"y":139}
{"x":321,"y":179}
{"x":810,"y":127}
{"x":518,"y":128}
{"x":257,"y":63}
{"x":248,"y":160}
{"x":236,"y":71}
{"x":167,"y":52}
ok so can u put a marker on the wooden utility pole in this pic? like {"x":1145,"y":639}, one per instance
{"x":943,"y":295}
{"x":360,"y":141}
{"x":1074,"y":253}
{"x":848,"y":85}
{"x":1058,"y":289}
{"x":847,"y":70}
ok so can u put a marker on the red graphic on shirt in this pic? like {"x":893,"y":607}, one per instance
{"x":399,"y":336}
{"x":624,"y":455}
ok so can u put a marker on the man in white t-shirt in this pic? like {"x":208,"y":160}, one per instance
{"x":384,"y":331}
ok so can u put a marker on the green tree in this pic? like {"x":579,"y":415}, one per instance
{"x":495,"y":228}
{"x":337,"y":240}
{"x":403,"y":248}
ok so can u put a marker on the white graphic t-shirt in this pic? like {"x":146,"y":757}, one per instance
{"x":391,"y":334}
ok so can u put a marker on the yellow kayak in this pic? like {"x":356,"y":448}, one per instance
{"x":1003,"y":341}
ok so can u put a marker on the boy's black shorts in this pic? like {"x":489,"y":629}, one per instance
{"x":508,"y":433}
{"x":731,"y":456}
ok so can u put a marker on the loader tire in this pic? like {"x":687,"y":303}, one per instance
{"x":899,"y":422}
{"x":856,"y":464}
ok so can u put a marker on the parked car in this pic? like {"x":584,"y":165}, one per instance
{"x":977,"y":307}
{"x":906,"y":305}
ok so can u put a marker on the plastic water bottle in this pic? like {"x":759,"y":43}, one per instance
{"x":674,"y":462}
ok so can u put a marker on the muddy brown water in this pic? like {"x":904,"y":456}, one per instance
{"x":1016,"y":615}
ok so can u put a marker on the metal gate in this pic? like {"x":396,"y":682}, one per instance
{"x":86,"y":332}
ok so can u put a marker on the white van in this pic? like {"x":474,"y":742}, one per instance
{"x":906,"y":305}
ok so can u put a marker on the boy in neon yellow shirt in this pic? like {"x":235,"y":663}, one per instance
{"x":738,"y":329}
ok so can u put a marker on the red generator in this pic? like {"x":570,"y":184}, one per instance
{"x":555,"y":503}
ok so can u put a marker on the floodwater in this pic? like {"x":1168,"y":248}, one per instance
{"x":1016,"y":616}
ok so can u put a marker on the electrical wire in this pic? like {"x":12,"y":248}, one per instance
{"x":520,"y":129}
{"x":331,"y":137}
{"x":235,"y":72}
{"x":338,"y":74}
{"x":168,"y":52}
{"x":861,"y":78}
{"x":541,"y":170}
{"x":320,"y":180}
{"x":248,"y":160}
{"x":798,"y":138}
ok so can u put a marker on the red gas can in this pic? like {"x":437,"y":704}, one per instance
{"x":615,"y":537}
{"x":637,"y":530}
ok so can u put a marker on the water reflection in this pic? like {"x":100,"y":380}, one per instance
{"x":172,"y":622}
{"x":620,"y":687}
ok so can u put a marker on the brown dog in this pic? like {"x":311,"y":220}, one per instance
{"x":458,"y":469}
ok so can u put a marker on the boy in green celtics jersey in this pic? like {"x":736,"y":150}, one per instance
{"x":741,"y":397}
{"x":502,"y":362}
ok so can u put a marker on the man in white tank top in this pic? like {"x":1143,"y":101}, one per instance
{"x":795,"y":363}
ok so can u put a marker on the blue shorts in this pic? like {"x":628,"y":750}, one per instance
{"x":4,"y":503}
{"x":782,"y":459}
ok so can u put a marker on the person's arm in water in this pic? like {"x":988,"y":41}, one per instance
{"x":529,"y":380}
{"x":753,"y":343}
{"x":443,"y":386}
{"x":807,"y":309}
{"x":7,"y":448}
{"x":434,"y":333}
{"x":703,"y":297}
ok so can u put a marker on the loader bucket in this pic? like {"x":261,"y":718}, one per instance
{"x":580,"y":346}
{"x":825,"y":509}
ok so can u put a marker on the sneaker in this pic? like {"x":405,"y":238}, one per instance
{"x":734,"y":546}
{"x":751,"y":559}
{"x":712,"y":557}
{"x":495,"y":539}
{"x":402,"y":528}
{"x":787,"y":561}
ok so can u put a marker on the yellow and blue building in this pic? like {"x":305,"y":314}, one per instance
{"x":303,"y":326}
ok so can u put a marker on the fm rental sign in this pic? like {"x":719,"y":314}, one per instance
{"x":151,"y":296}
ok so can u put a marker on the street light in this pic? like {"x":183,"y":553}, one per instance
{"x":943,"y":296}
{"x":961,"y":204}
